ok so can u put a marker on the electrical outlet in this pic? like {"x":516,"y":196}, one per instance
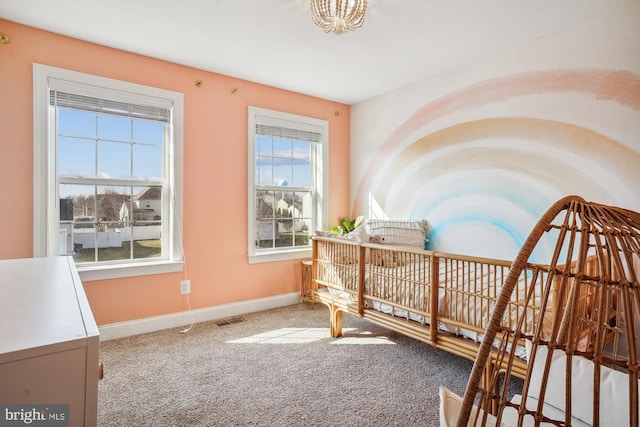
{"x":185,"y":287}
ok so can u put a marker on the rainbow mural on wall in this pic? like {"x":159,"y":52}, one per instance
{"x":483,"y":163}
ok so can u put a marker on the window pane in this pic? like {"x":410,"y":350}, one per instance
{"x":148,"y":132}
{"x":263,"y":146}
{"x":283,"y":173}
{"x":114,"y":160}
{"x":76,"y":123}
{"x":110,"y":244}
{"x":264,"y":171}
{"x":282,"y":148}
{"x":147,"y":248}
{"x":285,"y":233}
{"x":286,"y":203}
{"x":114,"y":128}
{"x":280,"y":205}
{"x":76,"y":157}
{"x":147,"y":162}
{"x":264,"y":205}
{"x":109,"y":201}
{"x":301,"y":173}
{"x":77,"y":219}
{"x":265,"y":224}
{"x":147,"y":205}
{"x":265,"y":234}
{"x":302,"y":236}
{"x":82,"y":200}
{"x":147,"y":225}
{"x":302,"y":211}
{"x":303,"y":204}
{"x":302,"y":150}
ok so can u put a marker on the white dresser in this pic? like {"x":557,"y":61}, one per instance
{"x":49,"y":340}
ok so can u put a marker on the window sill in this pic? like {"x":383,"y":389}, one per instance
{"x":273,"y":256}
{"x":104,"y":272}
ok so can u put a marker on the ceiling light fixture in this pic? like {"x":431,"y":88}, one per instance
{"x":338,"y":16}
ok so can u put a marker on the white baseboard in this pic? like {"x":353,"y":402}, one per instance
{"x":184,"y":318}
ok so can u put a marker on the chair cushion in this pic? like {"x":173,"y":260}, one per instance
{"x":510,"y":415}
{"x":450,"y":405}
{"x":614,"y":387}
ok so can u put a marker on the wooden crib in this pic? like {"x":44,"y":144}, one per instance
{"x":444,"y":300}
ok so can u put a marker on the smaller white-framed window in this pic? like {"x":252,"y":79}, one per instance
{"x":288,"y":156}
{"x":107,"y":174}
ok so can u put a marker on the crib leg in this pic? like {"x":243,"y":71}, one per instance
{"x":336,"y":321}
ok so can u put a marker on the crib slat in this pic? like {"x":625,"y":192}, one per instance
{"x":435,"y":292}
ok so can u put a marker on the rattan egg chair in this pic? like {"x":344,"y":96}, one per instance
{"x":582,"y":359}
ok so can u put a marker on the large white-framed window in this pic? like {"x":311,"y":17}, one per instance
{"x":288,"y":157}
{"x":107,"y":174}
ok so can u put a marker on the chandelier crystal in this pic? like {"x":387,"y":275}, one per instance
{"x":338,"y":16}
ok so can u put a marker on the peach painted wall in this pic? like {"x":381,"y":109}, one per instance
{"x":215,"y":165}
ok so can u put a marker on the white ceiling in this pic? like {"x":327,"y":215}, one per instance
{"x":275,"y":42}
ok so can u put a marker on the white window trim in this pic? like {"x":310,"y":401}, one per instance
{"x":44,"y":173}
{"x":322,"y":184}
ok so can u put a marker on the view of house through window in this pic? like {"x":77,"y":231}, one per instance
{"x":284,"y":193}
{"x":110,"y":178}
{"x":107,"y":174}
{"x":286,"y":150}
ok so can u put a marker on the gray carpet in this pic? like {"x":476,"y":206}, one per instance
{"x":276,"y":368}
